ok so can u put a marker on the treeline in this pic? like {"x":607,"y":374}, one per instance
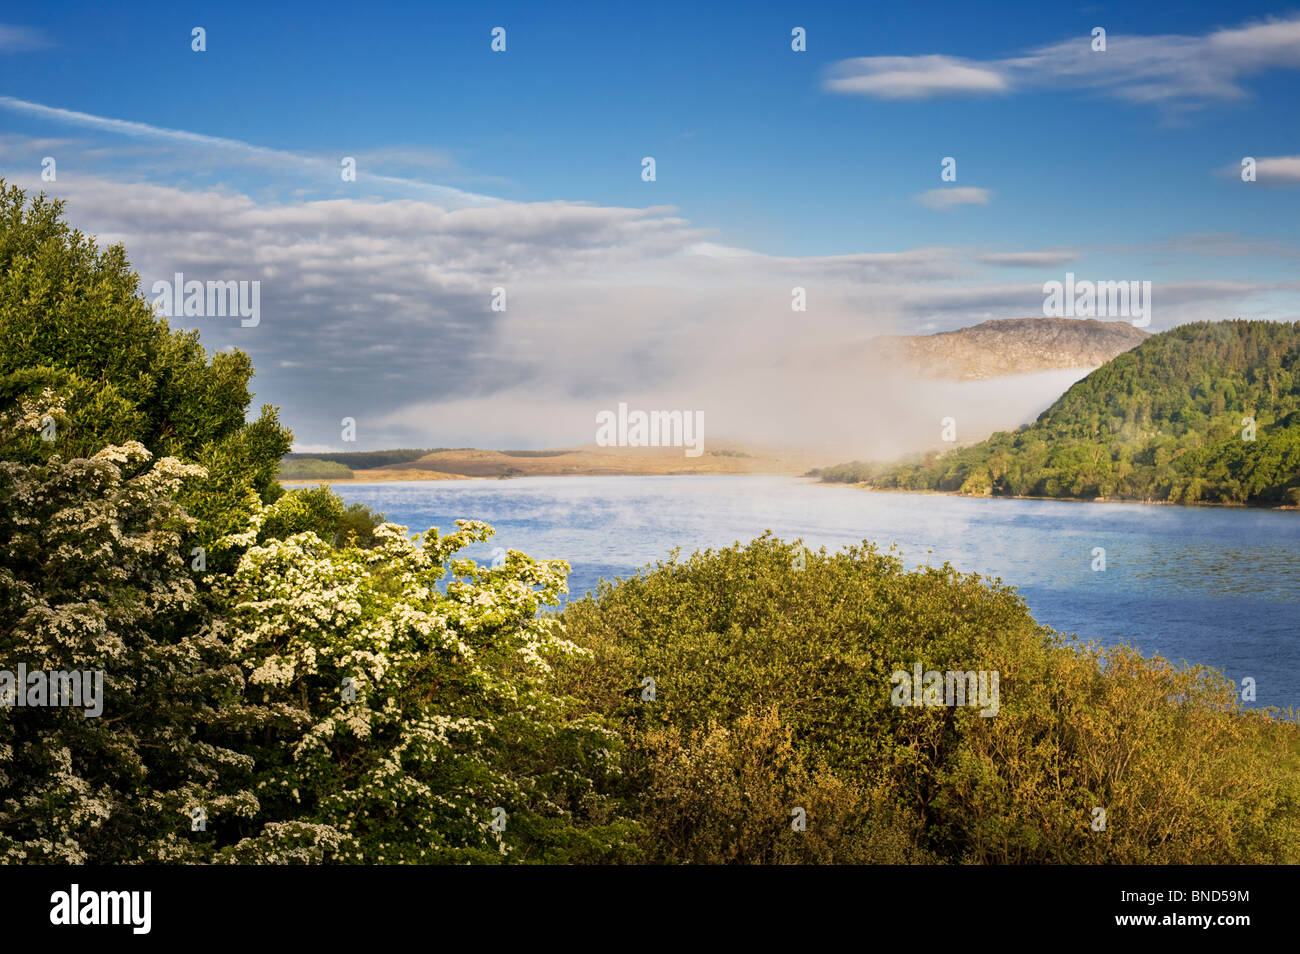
{"x":1202,"y":413}
{"x":289,"y":680}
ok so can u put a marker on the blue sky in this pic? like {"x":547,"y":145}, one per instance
{"x":770,"y":165}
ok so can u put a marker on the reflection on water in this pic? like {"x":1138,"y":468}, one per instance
{"x":1216,"y":586}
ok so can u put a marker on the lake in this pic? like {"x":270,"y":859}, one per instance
{"x":1209,"y":585}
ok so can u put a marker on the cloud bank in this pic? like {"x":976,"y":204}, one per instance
{"x":380,"y":308}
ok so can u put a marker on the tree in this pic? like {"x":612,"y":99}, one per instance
{"x":73,"y":320}
{"x":93,"y":580}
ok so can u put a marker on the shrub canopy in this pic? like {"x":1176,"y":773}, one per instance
{"x":736,"y":638}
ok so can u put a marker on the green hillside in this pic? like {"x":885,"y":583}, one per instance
{"x":1163,"y":422}
{"x":364,"y":460}
{"x":313,"y":468}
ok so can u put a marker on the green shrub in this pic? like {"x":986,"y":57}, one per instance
{"x":1183,"y":773}
{"x":746,"y":795}
{"x":93,"y":578}
{"x":315,"y":510}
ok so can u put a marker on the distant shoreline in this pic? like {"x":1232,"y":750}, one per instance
{"x":419,"y":476}
{"x":1078,"y":500}
{"x":723,"y":458}
{"x":424,"y":476}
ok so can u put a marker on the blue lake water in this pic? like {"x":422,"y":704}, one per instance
{"x":1208,"y":585}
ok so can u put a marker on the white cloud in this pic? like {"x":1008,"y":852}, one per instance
{"x":1269,"y":170}
{"x":1219,"y":245}
{"x":945,"y":200}
{"x":913,"y":77}
{"x":262,"y":156}
{"x":378,"y":308}
{"x":1282,"y":170}
{"x":1171,"y":70}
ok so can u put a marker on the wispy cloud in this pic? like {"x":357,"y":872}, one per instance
{"x":1269,"y":170}
{"x":1047,"y":258}
{"x":945,"y":200}
{"x":914,"y":77}
{"x":16,"y":39}
{"x":1170,"y":70}
{"x":1213,"y":245}
{"x":380,"y":310}
{"x":249,"y":152}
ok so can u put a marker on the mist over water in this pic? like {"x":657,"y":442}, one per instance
{"x":1213,"y":586}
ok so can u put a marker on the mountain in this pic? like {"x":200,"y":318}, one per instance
{"x":1206,"y":412}
{"x":1009,"y":346}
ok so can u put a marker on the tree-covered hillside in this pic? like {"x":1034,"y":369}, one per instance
{"x":1202,"y":413}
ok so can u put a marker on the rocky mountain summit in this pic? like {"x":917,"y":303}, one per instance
{"x":1010,"y":346}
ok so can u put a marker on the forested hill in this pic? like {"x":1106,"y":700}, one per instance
{"x":1166,"y":421}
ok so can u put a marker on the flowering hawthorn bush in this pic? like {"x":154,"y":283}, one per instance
{"x":409,"y":718}
{"x":92,"y":577}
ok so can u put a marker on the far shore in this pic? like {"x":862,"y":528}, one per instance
{"x":722,"y":458}
{"x":1079,"y":500}
{"x":413,"y":476}
{"x":380,"y":476}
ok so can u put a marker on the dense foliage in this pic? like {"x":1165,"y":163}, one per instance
{"x":772,"y":692}
{"x":320,"y":511}
{"x":284,"y":679}
{"x":323,"y":703}
{"x":72,"y":319}
{"x":1166,"y":421}
{"x":404,"y":720}
{"x":92,"y":579}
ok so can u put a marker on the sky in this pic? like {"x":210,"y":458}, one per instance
{"x":775,"y":168}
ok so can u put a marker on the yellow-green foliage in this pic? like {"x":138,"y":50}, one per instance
{"x":731,"y":795}
{"x":735,"y":637}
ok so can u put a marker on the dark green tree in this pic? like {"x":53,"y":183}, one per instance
{"x":73,"y":319}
